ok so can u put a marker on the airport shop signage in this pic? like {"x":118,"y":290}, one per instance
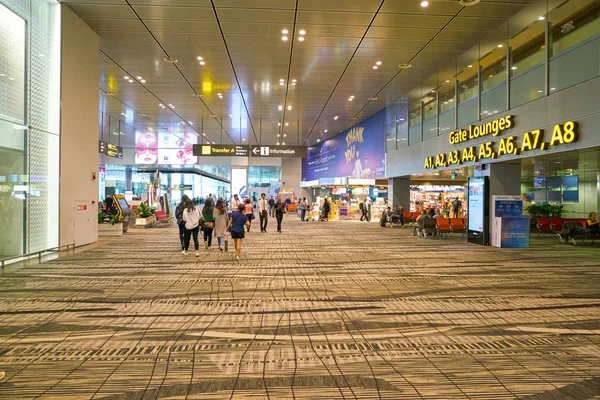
{"x":109,"y":149}
{"x":227,"y":150}
{"x":278,"y":151}
{"x":536,"y":139}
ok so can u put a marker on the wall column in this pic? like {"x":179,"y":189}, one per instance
{"x":399,"y":192}
{"x":291,"y":176}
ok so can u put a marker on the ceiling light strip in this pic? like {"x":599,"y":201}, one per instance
{"x":212,"y":3}
{"x":344,"y":71}
{"x":287,"y":84}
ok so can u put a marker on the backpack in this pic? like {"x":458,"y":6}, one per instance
{"x":179,"y":215}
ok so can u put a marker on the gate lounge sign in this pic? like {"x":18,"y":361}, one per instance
{"x":534,"y":140}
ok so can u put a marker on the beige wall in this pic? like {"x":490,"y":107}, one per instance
{"x":80,"y":80}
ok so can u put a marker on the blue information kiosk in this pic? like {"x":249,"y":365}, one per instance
{"x":509,"y":228}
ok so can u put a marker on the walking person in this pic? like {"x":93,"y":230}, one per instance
{"x":209,"y":223}
{"x":221,"y":220}
{"x":272,"y":206}
{"x":303,"y":205}
{"x":263,"y":212}
{"x":326,"y":210}
{"x":368,"y":208}
{"x":249,"y":211}
{"x":235,"y":202}
{"x":456,"y":204}
{"x":191,"y":216}
{"x":363,"y":210}
{"x":179,"y":217}
{"x":236,"y":227}
{"x":279,"y":210}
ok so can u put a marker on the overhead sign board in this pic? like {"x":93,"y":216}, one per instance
{"x":210,"y":150}
{"x":110,"y":149}
{"x":278,"y":151}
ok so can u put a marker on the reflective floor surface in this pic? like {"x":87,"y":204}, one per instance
{"x":336,"y":310}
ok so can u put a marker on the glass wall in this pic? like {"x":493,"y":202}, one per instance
{"x":29,"y":125}
{"x":546,"y":47}
{"x":265,"y":180}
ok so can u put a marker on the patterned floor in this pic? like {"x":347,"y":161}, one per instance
{"x":337,"y":310}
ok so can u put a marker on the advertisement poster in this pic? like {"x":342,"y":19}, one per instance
{"x":476,"y":204}
{"x":357,"y":153}
{"x":165,"y":148}
{"x":515,"y":233}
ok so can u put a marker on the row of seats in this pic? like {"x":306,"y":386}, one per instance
{"x":555,"y":225}
{"x":565,"y":229}
{"x":442,"y":226}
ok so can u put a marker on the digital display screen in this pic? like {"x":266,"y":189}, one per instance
{"x":539,"y":183}
{"x":123,"y":204}
{"x":571,"y":181}
{"x":476,"y":203}
{"x":165,"y":148}
{"x":571,"y":196}
{"x":553,"y":182}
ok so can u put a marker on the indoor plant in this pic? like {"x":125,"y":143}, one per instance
{"x":145,"y":216}
{"x":109,"y":224}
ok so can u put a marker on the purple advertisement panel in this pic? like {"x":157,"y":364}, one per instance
{"x":357,"y":153}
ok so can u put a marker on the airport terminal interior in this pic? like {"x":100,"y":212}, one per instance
{"x":299,"y":199}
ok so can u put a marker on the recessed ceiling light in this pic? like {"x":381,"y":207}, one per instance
{"x":302,"y":32}
{"x":293,"y":83}
{"x":513,"y":68}
{"x":143,"y":81}
{"x":126,"y":77}
{"x":325,"y":131}
{"x":287,"y":124}
{"x":280,"y":108}
{"x":541,"y":18}
{"x":451,"y":100}
{"x":190,"y":122}
{"x":279,"y":124}
{"x":219,"y":94}
{"x":141,"y":115}
{"x":282,"y":80}
{"x":122,"y":113}
{"x":447,"y":80}
{"x":203,"y":134}
{"x":372,"y":98}
{"x":335,"y":118}
{"x":404,"y":66}
{"x":199,"y":58}
{"x":281,"y":83}
{"x":285,"y":135}
{"x":301,"y":38}
{"x":318,"y":140}
{"x":139,"y":78}
{"x":540,"y":91}
{"x":243,"y":138}
{"x":202,"y":63}
{"x":470,"y":66}
{"x":161,"y":105}
{"x":171,"y":60}
{"x":378,"y":63}
{"x":285,"y":31}
{"x":213,"y":143}
{"x":284,"y":38}
{"x":131,"y":81}
{"x":375,"y":67}
{"x":277,"y":143}
{"x":293,"y":80}
{"x":351,"y":97}
{"x":278,"y":135}
{"x":500,"y":45}
{"x":424,"y":3}
{"x":289,"y":108}
{"x":230,"y":116}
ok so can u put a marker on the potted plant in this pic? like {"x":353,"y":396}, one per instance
{"x":145,"y":216}
{"x":109,"y":224}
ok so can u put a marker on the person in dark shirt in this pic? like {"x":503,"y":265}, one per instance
{"x":279,"y":210}
{"x":236,"y":225}
{"x":593,"y":224}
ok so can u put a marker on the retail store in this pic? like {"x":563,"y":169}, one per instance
{"x":348,"y":169}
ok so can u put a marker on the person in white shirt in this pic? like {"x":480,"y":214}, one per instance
{"x":191,"y":216}
{"x":263,"y":212}
{"x":235,"y":202}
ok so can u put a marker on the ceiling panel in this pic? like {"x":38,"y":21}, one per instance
{"x":245,"y":58}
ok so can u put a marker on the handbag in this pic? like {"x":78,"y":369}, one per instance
{"x":209,"y":225}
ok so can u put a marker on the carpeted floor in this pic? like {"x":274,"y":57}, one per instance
{"x":322,"y":311}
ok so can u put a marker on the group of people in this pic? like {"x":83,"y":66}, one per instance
{"x":215,"y":221}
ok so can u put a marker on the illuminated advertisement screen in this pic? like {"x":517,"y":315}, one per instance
{"x":165,"y":148}
{"x":476,"y":204}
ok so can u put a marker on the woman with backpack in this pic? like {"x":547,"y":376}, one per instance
{"x":209,"y":222}
{"x":191,"y":216}
{"x":221,"y":219}
{"x":179,"y":216}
